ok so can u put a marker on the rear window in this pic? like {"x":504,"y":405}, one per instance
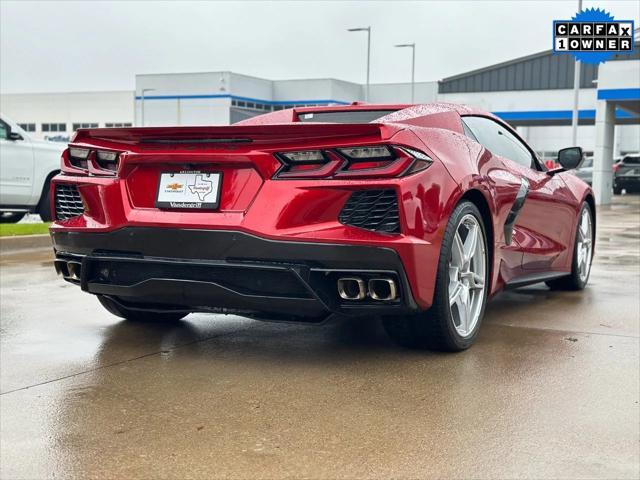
{"x":631,"y":160}
{"x":352,"y":116}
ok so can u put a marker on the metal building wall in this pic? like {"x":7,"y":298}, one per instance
{"x":541,"y":71}
{"x":538,"y":72}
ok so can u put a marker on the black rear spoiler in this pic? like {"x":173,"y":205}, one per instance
{"x":230,"y":134}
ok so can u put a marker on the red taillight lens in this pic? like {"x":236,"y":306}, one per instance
{"x":367,"y":165}
{"x":616,"y":167}
{"x":377,"y":161}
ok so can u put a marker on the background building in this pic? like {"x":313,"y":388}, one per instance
{"x":533,"y":93}
{"x":55,"y":116}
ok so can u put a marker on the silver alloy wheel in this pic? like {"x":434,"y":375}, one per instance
{"x":584,"y":245}
{"x":467,"y":273}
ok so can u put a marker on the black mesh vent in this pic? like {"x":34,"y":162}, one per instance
{"x":375,"y":210}
{"x":68,"y":201}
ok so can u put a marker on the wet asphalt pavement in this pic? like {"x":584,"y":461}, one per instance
{"x":550,"y":390}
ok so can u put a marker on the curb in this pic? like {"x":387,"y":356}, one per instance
{"x":24,"y":242}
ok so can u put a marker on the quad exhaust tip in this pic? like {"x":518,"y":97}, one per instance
{"x":70,"y":270}
{"x":351,"y":288}
{"x":379,"y":289}
{"x":383,"y":289}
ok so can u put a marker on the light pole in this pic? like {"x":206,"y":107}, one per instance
{"x":144,"y":90}
{"x":368,"y":30}
{"x":576,"y":93}
{"x":413,"y":66}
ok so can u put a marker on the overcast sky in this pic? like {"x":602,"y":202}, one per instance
{"x":55,"y":46}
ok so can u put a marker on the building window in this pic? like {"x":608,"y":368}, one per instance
{"x":253,"y":105}
{"x":54,"y":127}
{"x":28,"y":127}
{"x":117,"y":124}
{"x":76,"y":126}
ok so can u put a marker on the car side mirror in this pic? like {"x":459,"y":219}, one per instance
{"x":15,"y":136}
{"x":570,"y":158}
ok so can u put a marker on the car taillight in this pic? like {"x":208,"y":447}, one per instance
{"x":78,"y":157}
{"x":107,"y":160}
{"x":78,"y":160}
{"x":616,"y":167}
{"x":367,"y":153}
{"x":376,"y":161}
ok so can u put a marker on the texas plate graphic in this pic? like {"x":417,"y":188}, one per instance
{"x":201,"y":187}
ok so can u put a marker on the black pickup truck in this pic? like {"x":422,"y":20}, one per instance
{"x":627,"y":174}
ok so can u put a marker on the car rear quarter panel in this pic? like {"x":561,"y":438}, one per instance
{"x":473,"y":168}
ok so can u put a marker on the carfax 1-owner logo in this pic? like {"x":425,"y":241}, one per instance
{"x":593,"y":36}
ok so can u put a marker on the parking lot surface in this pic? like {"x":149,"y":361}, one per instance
{"x":550,"y":390}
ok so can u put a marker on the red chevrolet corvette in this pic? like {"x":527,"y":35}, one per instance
{"x":413,"y":213}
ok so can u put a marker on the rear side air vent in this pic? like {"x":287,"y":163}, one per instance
{"x":375,"y":210}
{"x":68,"y":201}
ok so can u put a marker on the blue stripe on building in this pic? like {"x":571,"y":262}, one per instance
{"x":241,"y":99}
{"x":619,"y":94}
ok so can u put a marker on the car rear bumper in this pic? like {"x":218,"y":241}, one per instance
{"x":627,"y":182}
{"x":228,"y":271}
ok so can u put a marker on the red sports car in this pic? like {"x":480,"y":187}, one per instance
{"x":413,"y":213}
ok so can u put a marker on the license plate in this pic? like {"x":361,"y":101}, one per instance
{"x":189,"y":190}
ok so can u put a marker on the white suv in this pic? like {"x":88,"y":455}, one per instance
{"x":26,"y":167}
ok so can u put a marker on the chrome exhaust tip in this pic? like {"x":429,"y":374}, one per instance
{"x":75,"y":269}
{"x":61,"y":267}
{"x":383,"y":289}
{"x":351,"y":288}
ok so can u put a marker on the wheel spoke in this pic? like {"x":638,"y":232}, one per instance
{"x":580,"y":255}
{"x":457,"y":251}
{"x":455,"y":292}
{"x":584,"y":224}
{"x":470,"y":243}
{"x":453,"y":273}
{"x":462,"y":303}
{"x":585,"y":257}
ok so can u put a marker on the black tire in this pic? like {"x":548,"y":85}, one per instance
{"x":617,"y":190}
{"x":139,"y":315}
{"x":44,"y":206}
{"x":11,"y":217}
{"x":573,"y":280}
{"x":434,"y":329}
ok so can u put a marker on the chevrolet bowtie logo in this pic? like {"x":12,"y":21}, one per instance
{"x":174,"y":186}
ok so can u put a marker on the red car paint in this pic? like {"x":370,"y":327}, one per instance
{"x":307,"y":210}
